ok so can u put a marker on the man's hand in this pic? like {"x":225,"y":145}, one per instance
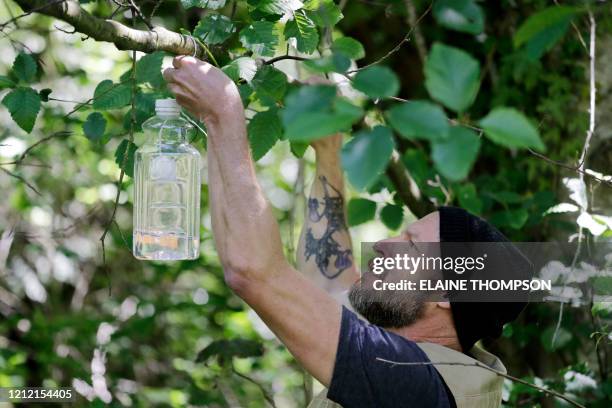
{"x":204,"y":90}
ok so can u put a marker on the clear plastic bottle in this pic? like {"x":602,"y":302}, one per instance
{"x":167,"y":188}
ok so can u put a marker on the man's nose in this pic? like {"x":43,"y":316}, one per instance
{"x":384,"y":246}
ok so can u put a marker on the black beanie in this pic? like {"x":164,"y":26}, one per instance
{"x":479,"y":320}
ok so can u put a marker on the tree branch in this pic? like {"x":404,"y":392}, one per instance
{"x":124,"y":37}
{"x":486,"y":367}
{"x":407,"y":189}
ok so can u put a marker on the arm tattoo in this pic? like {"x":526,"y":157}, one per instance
{"x":326,"y":247}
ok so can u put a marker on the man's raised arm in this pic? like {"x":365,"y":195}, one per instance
{"x":325,"y":252}
{"x":246,"y":232}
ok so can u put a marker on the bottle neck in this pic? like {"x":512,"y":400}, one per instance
{"x":168,"y":133}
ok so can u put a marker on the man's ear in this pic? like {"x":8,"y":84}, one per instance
{"x":444,"y":305}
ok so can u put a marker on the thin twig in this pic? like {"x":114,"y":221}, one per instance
{"x":136,"y":10}
{"x":27,"y":13}
{"x":398,"y":46}
{"x":284,"y":57}
{"x":414,"y":24}
{"x":486,"y":367}
{"x":22,"y":179}
{"x":263,"y":390}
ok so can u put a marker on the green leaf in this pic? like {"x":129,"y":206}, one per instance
{"x":304,"y":31}
{"x":269,"y":82}
{"x":452,"y":77}
{"x":510,"y":128}
{"x":44,"y":94}
{"x":329,"y":63}
{"x":94,"y":126}
{"x":298,"y":148}
{"x":25,"y":68}
{"x":377,"y":82}
{"x":261,"y":37}
{"x":543,"y":29}
{"x":214,"y":29}
{"x":148,"y":69}
{"x":325,"y":13}
{"x":108,"y":95}
{"x":243,"y":67}
{"x":227,"y":349}
{"x":6,"y":82}
{"x":392,"y":216}
{"x":23,"y":103}
{"x":128,"y":165}
{"x":454,"y":156}
{"x":360,"y":210}
{"x":468,"y":198}
{"x":349,"y":47}
{"x":207,"y":4}
{"x":461,"y":15}
{"x":264,"y":130}
{"x":278,"y":7}
{"x":419,"y":119}
{"x":515,"y":219}
{"x":367,"y":155}
{"x":313,"y":112}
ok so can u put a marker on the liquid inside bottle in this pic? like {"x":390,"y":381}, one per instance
{"x":167,"y":189}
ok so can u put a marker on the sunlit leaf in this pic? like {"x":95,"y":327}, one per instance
{"x":392,"y":216}
{"x":261,"y":37}
{"x":304,"y":31}
{"x":108,"y":95}
{"x":214,"y":28}
{"x":455,"y":155}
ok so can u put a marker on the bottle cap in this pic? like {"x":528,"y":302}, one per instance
{"x":167,"y":108}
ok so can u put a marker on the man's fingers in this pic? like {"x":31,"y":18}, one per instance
{"x":175,"y":88}
{"x":169,"y":74}
{"x":180,"y":60}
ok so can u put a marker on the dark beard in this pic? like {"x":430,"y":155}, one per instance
{"x":385,"y":309}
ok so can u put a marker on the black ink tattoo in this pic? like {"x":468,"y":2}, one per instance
{"x":326,"y":247}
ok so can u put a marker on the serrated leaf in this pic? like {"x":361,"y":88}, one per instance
{"x":207,"y":4}
{"x":25,"y":68}
{"x":23,"y":104}
{"x":377,"y":82}
{"x":324,"y":13}
{"x":510,"y":128}
{"x":312,"y":112}
{"x":279,"y":7}
{"x":94,"y":126}
{"x":261,"y":37}
{"x":227,"y":349}
{"x":126,"y":163}
{"x":243,"y":67}
{"x":452,"y":77}
{"x":419,"y":119}
{"x":269,"y":82}
{"x":108,"y":95}
{"x":305,"y":32}
{"x":214,"y":29}
{"x":6,"y":82}
{"x":392,"y":216}
{"x":542,"y":30}
{"x":349,"y":47}
{"x":264,"y":130}
{"x":360,"y":210}
{"x":455,"y":156}
{"x":366,"y":155}
{"x":461,"y":15}
{"x":148,"y":69}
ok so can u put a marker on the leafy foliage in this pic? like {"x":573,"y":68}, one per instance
{"x":377,"y":82}
{"x":508,"y":127}
{"x":24,"y":104}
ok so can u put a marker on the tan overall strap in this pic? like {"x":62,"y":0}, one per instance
{"x":472,"y":387}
